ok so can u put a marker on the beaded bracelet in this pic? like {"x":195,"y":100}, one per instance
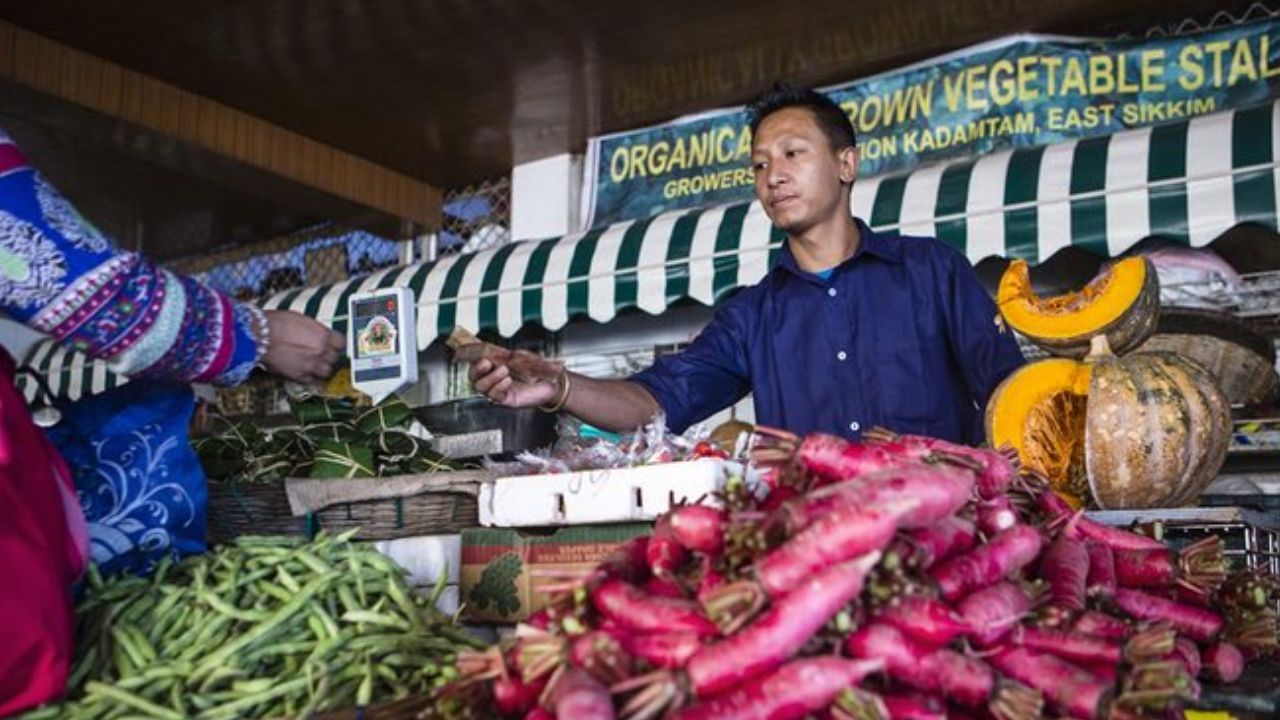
{"x":263,"y":335}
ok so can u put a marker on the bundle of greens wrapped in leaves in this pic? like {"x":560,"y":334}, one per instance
{"x":332,"y":439}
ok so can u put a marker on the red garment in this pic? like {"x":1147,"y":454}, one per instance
{"x":43,"y":550}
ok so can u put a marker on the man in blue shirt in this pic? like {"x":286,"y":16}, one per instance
{"x":850,"y":330}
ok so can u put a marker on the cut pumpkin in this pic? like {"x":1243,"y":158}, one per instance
{"x":1140,"y":431}
{"x":1039,"y":410}
{"x":1122,"y":302}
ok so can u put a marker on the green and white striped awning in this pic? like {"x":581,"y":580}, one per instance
{"x":647,"y":264}
{"x":1189,"y":180}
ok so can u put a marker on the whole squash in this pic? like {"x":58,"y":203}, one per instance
{"x":1122,"y":303}
{"x":1138,"y":431}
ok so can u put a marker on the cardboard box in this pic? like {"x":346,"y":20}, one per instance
{"x":498,"y":582}
{"x":600,"y":496}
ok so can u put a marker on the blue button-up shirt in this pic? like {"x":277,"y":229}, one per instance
{"x":901,"y":335}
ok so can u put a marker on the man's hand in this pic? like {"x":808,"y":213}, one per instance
{"x":492,"y":377}
{"x":301,"y":349}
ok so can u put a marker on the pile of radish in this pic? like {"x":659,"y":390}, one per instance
{"x":903,"y":578}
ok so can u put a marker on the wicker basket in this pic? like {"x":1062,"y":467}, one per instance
{"x":262,"y":508}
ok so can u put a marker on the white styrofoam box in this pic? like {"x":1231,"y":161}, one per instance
{"x":599,"y":496}
{"x":449,"y":601}
{"x":425,"y":557}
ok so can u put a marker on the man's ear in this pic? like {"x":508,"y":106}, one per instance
{"x":849,"y":159}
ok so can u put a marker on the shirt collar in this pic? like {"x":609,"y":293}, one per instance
{"x":878,"y":245}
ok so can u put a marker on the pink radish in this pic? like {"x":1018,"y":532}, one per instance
{"x":1188,"y":654}
{"x":778,"y":496}
{"x":924,"y":620}
{"x":666,"y":650}
{"x":1102,"y":570}
{"x":940,"y":491}
{"x":1223,"y":663}
{"x":994,"y":611}
{"x":997,"y":470}
{"x":915,"y":707}
{"x":632,"y":608}
{"x":537,"y":713}
{"x":1097,"y":624}
{"x":791,"y":692}
{"x":664,"y":587}
{"x":963,"y":680}
{"x":665,"y":554}
{"x":709,"y":580}
{"x":1002,"y":557}
{"x":575,"y":694}
{"x":699,"y":528}
{"x":996,"y":515}
{"x":941,"y":541}
{"x":776,"y":636}
{"x":512,"y":697}
{"x":1065,"y":565}
{"x":601,"y":655}
{"x":1068,"y":645}
{"x":628,"y":562}
{"x":1072,"y":690}
{"x":836,"y":459}
{"x":1196,"y":623}
{"x":1150,"y":645}
{"x":841,"y":535}
{"x":1200,"y":566}
{"x":1079,"y":527}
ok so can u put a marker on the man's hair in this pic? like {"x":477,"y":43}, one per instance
{"x":833,"y":121}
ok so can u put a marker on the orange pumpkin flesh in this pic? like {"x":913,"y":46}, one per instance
{"x":1122,"y":302}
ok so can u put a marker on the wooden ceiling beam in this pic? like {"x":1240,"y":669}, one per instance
{"x":54,"y":69}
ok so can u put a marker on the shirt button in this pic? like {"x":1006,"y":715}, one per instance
{"x":842,"y":356}
{"x":831,"y":292}
{"x":854,"y":426}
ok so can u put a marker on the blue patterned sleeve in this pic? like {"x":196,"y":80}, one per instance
{"x":62,"y":277}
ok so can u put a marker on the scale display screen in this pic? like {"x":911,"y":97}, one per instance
{"x":377,"y":327}
{"x":381,"y":341}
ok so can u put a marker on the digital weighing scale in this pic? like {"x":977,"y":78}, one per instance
{"x":382,"y":341}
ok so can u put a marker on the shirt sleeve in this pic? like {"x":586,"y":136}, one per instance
{"x":708,"y":376}
{"x":61,"y":276}
{"x":985,"y":351}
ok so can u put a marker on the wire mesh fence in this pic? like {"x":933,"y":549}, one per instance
{"x":476,"y":218}
{"x":320,"y":255}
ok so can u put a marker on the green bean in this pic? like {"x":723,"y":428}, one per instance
{"x":233,"y":709}
{"x":375,"y":618}
{"x":330,"y":625}
{"x":129,"y":699}
{"x":229,"y":610}
{"x":318,"y":566}
{"x":267,"y":627}
{"x":269,"y":590}
{"x":287,"y":580}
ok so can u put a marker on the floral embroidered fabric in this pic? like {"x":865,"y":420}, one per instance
{"x":61,"y":276}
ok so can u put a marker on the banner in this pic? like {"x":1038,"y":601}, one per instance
{"x":1015,"y":92}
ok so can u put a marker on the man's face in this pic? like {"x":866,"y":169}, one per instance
{"x":798,"y":174}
